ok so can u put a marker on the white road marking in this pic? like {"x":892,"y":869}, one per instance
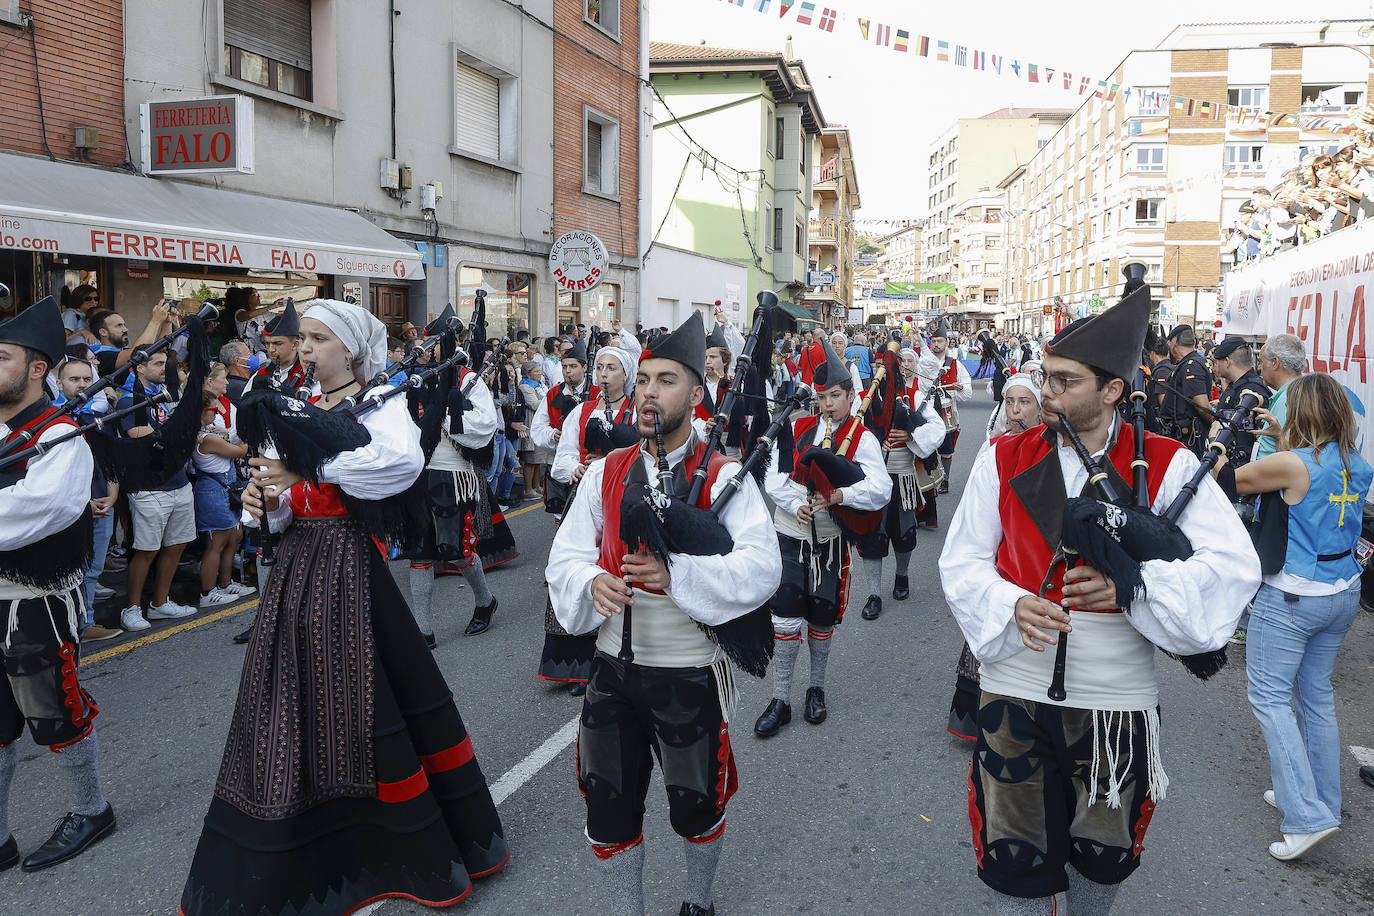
{"x":538,"y":758}
{"x":1365,"y":755}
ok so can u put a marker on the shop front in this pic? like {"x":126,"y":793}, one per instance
{"x":137,"y":240}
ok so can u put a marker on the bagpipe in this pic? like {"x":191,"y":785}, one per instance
{"x":753,"y":368}
{"x":992,"y":358}
{"x":268,"y":556}
{"x":1116,"y":538}
{"x":605,"y":434}
{"x":99,"y":424}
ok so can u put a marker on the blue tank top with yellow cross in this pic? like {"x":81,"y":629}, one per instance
{"x":1323,"y":528}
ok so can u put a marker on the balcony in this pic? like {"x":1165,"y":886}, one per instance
{"x":1318,"y":108}
{"x":823,"y":232}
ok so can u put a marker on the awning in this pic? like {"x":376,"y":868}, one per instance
{"x":799,"y":312}
{"x":83,"y":210}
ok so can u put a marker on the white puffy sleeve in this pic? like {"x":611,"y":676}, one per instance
{"x":565,"y":458}
{"x":385,"y":466}
{"x":573,"y":557}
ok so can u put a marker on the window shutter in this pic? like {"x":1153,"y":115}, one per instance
{"x":594,"y":130}
{"x":477,"y":111}
{"x":279,"y":30}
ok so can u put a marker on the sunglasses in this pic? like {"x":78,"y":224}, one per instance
{"x":91,"y":299}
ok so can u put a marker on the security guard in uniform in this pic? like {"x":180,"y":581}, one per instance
{"x":1233,"y":360}
{"x":1192,"y":388}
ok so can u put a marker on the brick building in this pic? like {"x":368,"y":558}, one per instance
{"x":597,"y":59}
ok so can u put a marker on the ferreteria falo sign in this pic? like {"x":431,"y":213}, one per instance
{"x":578,"y":261}
{"x":197,"y":136}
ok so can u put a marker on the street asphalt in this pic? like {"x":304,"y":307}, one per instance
{"x":866,"y":813}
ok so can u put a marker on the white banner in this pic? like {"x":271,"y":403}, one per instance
{"x":147,"y":242}
{"x":1318,"y":293}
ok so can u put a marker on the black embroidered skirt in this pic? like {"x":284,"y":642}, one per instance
{"x":348,"y":775}
{"x":566,"y":659}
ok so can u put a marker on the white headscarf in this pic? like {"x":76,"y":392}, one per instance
{"x":627,"y":361}
{"x":362,"y":333}
{"x":1022,"y":380}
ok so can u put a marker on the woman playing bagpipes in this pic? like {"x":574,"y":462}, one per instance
{"x":347,"y":773}
{"x":1067,"y":768}
{"x":664,"y":625}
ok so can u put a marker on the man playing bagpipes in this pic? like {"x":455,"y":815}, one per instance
{"x":1067,"y":768}
{"x":952,"y":379}
{"x":912,"y":431}
{"x":829,"y":485}
{"x":660,"y":683}
{"x":283,"y":371}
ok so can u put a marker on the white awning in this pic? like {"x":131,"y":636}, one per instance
{"x":83,"y":210}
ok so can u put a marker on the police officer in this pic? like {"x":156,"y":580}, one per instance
{"x":1191,"y":386}
{"x":1233,"y":360}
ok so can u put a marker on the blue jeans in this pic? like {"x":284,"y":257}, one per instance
{"x":1290,"y":653}
{"x":104,"y":527}
{"x":501,"y":473}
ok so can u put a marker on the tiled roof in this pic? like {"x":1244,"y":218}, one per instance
{"x":1026,"y":112}
{"x":667,"y":50}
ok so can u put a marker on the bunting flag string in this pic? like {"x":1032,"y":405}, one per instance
{"x":1163,"y":103}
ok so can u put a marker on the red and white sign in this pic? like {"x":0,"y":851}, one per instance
{"x":70,"y":234}
{"x":137,"y":270}
{"x":197,"y":136}
{"x":578,"y":261}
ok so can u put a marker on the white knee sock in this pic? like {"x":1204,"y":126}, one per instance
{"x":422,"y":596}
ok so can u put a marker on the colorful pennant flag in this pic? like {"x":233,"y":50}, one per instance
{"x":863,"y":28}
{"x":883,"y":35}
{"x":804,"y":14}
{"x":784,"y":6}
{"x":996,"y":62}
{"x":827,"y":23}
{"x":899,"y":44}
{"x":1032,"y":74}
{"x":1084,"y":84}
{"x":942,"y":50}
{"x":761,"y":6}
{"x":960,"y":56}
{"x":980,"y":60}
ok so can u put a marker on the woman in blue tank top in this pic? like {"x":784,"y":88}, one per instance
{"x":1304,"y":609}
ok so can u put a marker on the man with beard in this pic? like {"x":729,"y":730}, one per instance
{"x":547,"y":426}
{"x":111,"y":331}
{"x":44,"y":544}
{"x":672,"y":698}
{"x":1061,"y":791}
{"x":814,"y":546}
{"x":283,"y":371}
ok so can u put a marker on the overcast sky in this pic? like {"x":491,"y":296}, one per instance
{"x":896,"y":104}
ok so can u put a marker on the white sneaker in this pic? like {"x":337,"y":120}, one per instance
{"x":103,"y":591}
{"x":239,"y":590}
{"x":170,"y":611}
{"x":1269,"y":798}
{"x":1296,"y":845}
{"x":131,"y":618}
{"x":217,"y":597}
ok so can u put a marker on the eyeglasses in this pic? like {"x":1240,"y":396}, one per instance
{"x":91,"y":299}
{"x":1058,"y":383}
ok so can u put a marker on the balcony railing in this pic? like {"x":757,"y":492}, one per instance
{"x":1320,"y":108}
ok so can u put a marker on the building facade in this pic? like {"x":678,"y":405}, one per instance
{"x":733,"y":141}
{"x":973,"y":154}
{"x":830,"y":230}
{"x":596,"y":144}
{"x":1137,"y":178}
{"x":976,"y":261}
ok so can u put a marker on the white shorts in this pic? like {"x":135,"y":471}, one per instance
{"x":163,"y":518}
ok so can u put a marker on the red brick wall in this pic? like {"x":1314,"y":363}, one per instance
{"x":81,"y":68}
{"x":581,"y":78}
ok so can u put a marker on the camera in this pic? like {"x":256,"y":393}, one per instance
{"x":1241,"y":418}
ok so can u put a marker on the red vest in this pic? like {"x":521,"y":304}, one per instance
{"x":311,"y":500}
{"x":702,"y":412}
{"x":36,"y":427}
{"x":588,"y":410}
{"x":556,"y":415}
{"x":804,"y":426}
{"x":1024,"y":557}
{"x":617,"y":466}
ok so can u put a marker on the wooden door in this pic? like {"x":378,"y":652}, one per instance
{"x":392,"y":305}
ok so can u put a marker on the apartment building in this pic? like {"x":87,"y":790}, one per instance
{"x":734,"y":141}
{"x":976,"y":261}
{"x":597,"y":102}
{"x":830,"y":230}
{"x":1138,"y":178}
{"x":970,"y":155}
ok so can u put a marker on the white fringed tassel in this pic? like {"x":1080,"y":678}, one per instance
{"x":911,"y":490}
{"x":467,"y":485}
{"x":1159,"y":780}
{"x":1106,"y":739}
{"x":726,"y":689}
{"x":13,"y":626}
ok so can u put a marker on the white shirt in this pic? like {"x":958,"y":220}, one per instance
{"x":480,"y":422}
{"x":384,"y":467}
{"x":217,"y":464}
{"x":923,"y":442}
{"x":1189,"y":606}
{"x":923,"y":382}
{"x":51,"y":496}
{"x":569,"y":452}
{"x":710,"y":589}
{"x":868,"y":494}
{"x":541,"y":430}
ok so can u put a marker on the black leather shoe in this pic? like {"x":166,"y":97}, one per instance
{"x":872,"y":608}
{"x":1367,"y":774}
{"x":481,"y":619}
{"x":579,"y":689}
{"x":430,"y":640}
{"x":815,"y":706}
{"x":691,"y":909}
{"x":943,"y":488}
{"x":9,"y":853}
{"x":244,"y":636}
{"x":901,"y":588}
{"x":71,"y":838}
{"x":774,"y":717}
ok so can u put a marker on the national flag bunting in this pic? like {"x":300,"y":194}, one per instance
{"x":784,"y":6}
{"x":804,"y":14}
{"x":960,"y":56}
{"x":923,"y":45}
{"x":942,"y":50}
{"x":863,"y":28}
{"x":900,"y":42}
{"x":761,"y":6}
{"x":882,"y":35}
{"x":827,"y":23}
{"x":980,"y":60}
{"x":996,"y":62}
{"x":1032,"y":74}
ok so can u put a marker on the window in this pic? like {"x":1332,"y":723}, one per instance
{"x":994,"y":241}
{"x":1145,"y":158}
{"x":9,"y":12}
{"x":1244,"y":157}
{"x":801,"y":240}
{"x":604,"y":14}
{"x":268,"y":44}
{"x":1247,"y":96}
{"x":1147,"y":211}
{"x":1153,"y":100}
{"x":1329,"y":149}
{"x":600,"y":153}
{"x":770,"y":137}
{"x":508,"y":297}
{"x":778,"y":136}
{"x":486,"y":112}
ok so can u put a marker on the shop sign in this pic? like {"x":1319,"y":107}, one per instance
{"x":197,"y":136}
{"x":28,"y":233}
{"x":137,"y":270}
{"x":816,"y":278}
{"x":578,"y":261}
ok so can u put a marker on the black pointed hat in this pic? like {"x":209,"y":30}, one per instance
{"x":1111,"y":341}
{"x":440,"y":325}
{"x":578,"y":351}
{"x":831,"y":372}
{"x":38,"y":327}
{"x":686,"y":345}
{"x":717,"y":338}
{"x":941,"y":329}
{"x":287,"y":324}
